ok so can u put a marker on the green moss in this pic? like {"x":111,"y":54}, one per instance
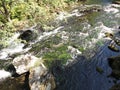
{"x":22,"y":14}
{"x":59,"y":53}
{"x":81,"y":49}
{"x":45,"y":44}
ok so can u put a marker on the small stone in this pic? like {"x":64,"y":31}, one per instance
{"x":99,"y":69}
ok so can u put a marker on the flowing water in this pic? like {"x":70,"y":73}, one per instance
{"x":83,"y":73}
{"x":83,"y":34}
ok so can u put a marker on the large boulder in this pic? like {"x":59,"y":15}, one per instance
{"x":24,"y":63}
{"x":39,"y":78}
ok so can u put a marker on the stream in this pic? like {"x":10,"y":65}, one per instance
{"x":80,"y":33}
{"x":83,"y":73}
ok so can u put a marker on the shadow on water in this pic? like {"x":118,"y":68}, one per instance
{"x":86,"y":74}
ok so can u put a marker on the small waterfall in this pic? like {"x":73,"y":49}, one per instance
{"x":17,"y":47}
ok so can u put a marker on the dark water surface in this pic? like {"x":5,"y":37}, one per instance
{"x":82,"y":75}
{"x":90,"y":74}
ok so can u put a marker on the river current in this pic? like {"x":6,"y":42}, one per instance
{"x":83,"y":73}
{"x":88,"y":70}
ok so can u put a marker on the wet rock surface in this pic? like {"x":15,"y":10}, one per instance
{"x":27,"y":35}
{"x":27,"y":72}
{"x":39,"y":76}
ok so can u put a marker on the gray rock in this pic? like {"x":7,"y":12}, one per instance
{"x":39,"y":78}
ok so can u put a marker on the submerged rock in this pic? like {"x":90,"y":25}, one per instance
{"x":99,"y":70}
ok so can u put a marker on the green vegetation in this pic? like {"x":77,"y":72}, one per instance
{"x":59,"y":53}
{"x":51,"y":50}
{"x":18,"y":14}
{"x":45,"y":44}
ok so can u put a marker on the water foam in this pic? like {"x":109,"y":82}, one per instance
{"x":4,"y":74}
